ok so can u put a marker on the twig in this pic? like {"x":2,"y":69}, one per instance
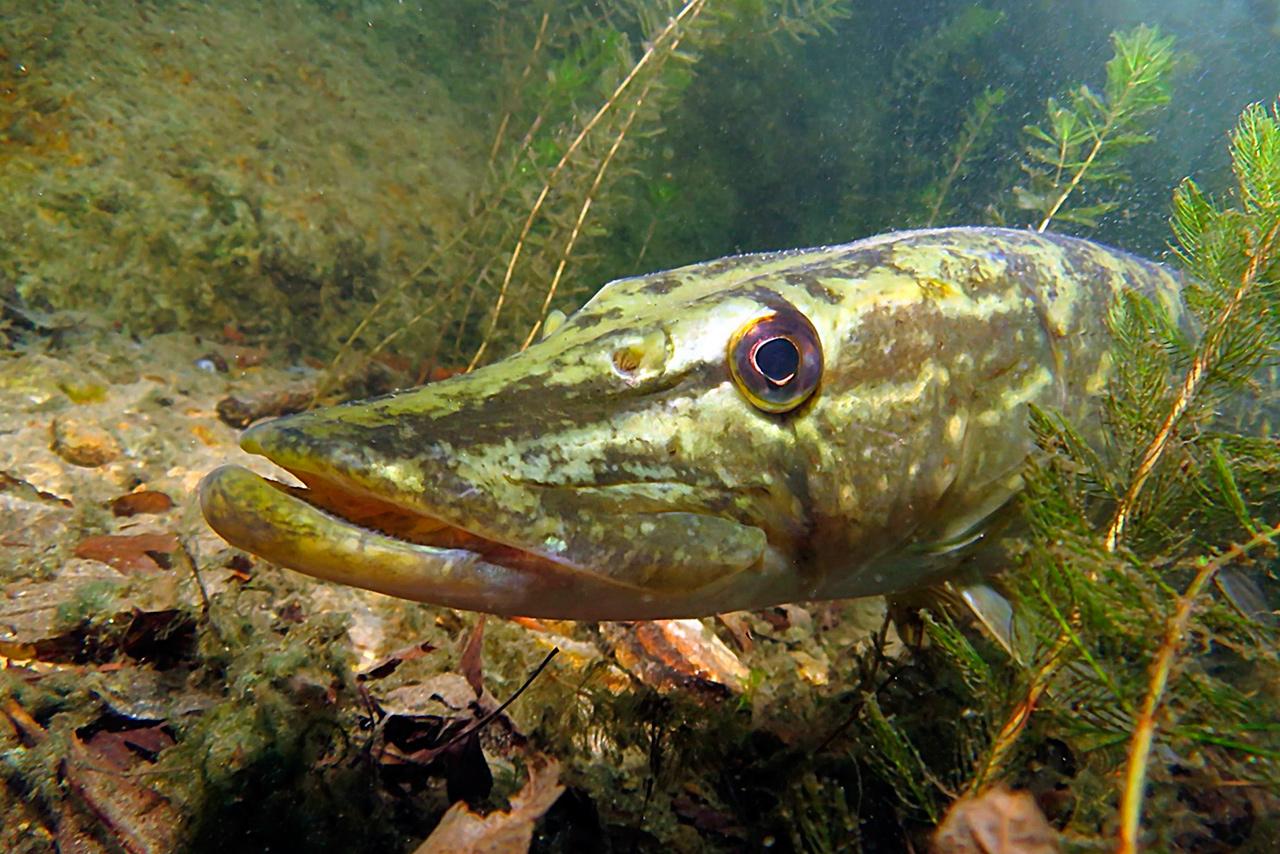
{"x":188,"y":553}
{"x":485,"y":721}
{"x":1161,"y":667}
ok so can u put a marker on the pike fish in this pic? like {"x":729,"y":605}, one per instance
{"x":821,"y":423}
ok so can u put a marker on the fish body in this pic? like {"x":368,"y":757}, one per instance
{"x":820,"y":423}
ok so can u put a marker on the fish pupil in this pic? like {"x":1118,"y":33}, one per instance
{"x":777,"y":359}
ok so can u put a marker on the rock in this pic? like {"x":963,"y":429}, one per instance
{"x":83,"y":443}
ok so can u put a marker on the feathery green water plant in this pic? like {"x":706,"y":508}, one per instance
{"x":1182,"y":494}
{"x":1146,"y":576}
{"x":1079,"y":149}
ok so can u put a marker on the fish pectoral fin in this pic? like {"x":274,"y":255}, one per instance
{"x":989,"y":517}
{"x":997,"y":616}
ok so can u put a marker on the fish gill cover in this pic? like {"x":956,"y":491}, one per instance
{"x":396,"y":190}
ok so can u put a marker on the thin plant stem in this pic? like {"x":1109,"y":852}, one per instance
{"x":688,"y":11}
{"x":1161,"y":669}
{"x":528,"y":69}
{"x":582,"y":215}
{"x":1191,"y":384}
{"x":957,"y":163}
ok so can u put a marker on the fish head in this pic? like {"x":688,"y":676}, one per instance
{"x":641,"y":461}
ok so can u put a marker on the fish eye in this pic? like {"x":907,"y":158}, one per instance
{"x":776,"y":360}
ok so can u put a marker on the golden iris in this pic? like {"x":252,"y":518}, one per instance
{"x":776,"y":360}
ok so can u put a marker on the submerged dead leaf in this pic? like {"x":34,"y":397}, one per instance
{"x":88,"y":612}
{"x":388,"y":665}
{"x":997,"y":821}
{"x":130,"y":553}
{"x":462,"y":831}
{"x":471,"y":663}
{"x":431,"y":729}
{"x":143,"y":501}
{"x":122,"y":749}
{"x":107,"y":804}
{"x":241,"y":411}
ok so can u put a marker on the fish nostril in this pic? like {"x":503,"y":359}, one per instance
{"x":641,"y":354}
{"x":627,"y":360}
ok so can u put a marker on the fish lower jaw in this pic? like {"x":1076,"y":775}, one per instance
{"x":307,"y":530}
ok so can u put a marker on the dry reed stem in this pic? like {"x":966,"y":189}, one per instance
{"x":1161,"y":668}
{"x":689,"y":10}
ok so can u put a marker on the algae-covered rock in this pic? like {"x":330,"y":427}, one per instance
{"x":235,"y":163}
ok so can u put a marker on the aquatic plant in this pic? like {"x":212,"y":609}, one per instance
{"x":1078,"y":150}
{"x":969,"y":145}
{"x":578,"y":101}
{"x":1146,"y":582}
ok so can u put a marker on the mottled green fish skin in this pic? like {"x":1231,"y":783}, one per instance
{"x":661,"y":491}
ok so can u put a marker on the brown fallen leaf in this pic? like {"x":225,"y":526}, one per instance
{"x":142,"y":501}
{"x":107,"y":805}
{"x":462,"y":831}
{"x":471,"y":662}
{"x":124,"y":749}
{"x":129,"y":553}
{"x":388,"y":665}
{"x":739,"y":626}
{"x":997,"y":821}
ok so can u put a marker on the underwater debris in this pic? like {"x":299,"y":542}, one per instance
{"x":997,"y":821}
{"x":130,"y":553}
{"x":677,"y":655}
{"x":240,"y":411}
{"x":115,"y":810}
{"x":142,"y":502}
{"x":462,"y":831}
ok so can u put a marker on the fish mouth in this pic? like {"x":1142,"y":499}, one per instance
{"x":330,"y":531}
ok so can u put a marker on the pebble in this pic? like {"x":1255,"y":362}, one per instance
{"x":83,"y":443}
